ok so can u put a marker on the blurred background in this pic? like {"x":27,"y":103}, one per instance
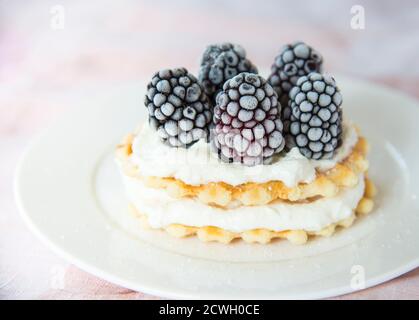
{"x":55,"y":54}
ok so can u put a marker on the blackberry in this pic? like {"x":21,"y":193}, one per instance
{"x":248,"y":128}
{"x":221,"y":62}
{"x":294,"y":61}
{"x":178,"y":108}
{"x":316,"y":118}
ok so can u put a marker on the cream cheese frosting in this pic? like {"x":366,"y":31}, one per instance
{"x":199,"y":165}
{"x":162,"y":210}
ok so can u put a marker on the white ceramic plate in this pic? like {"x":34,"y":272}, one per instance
{"x":70,"y":194}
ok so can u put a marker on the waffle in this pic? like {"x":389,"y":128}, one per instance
{"x":264,"y":236}
{"x":326,"y":184}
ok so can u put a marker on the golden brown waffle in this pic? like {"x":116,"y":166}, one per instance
{"x":326,"y":184}
{"x":264,"y":236}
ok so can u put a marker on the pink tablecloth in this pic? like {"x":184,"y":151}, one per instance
{"x":51,"y":56}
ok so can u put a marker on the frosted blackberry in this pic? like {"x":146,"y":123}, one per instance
{"x":316,"y":118}
{"x":248,"y":128}
{"x":178,"y":108}
{"x":294,"y":61}
{"x":221,"y":62}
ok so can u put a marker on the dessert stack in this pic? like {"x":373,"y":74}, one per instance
{"x":232,"y":155}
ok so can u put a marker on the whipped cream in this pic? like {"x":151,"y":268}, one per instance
{"x":199,"y":165}
{"x":163,"y":210}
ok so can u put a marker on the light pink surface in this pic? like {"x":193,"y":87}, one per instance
{"x":45,"y":71}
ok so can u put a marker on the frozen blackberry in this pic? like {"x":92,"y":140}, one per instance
{"x":316,"y":118}
{"x":178,"y":108}
{"x":294,"y":61}
{"x":221,"y":62}
{"x":248,"y":128}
